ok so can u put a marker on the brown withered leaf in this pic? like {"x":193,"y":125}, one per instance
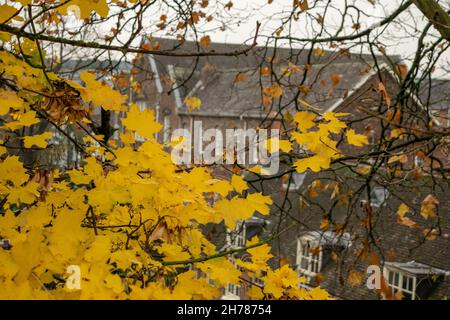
{"x":431,"y":234}
{"x":335,"y":78}
{"x":428,"y":207}
{"x":205,"y":42}
{"x":355,"y":278}
{"x":382,"y":89}
{"x":325,"y":223}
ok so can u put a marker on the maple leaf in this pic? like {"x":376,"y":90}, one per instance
{"x":99,"y":251}
{"x":259,"y":202}
{"x":259,"y":255}
{"x":173,"y":252}
{"x":84,"y":8}
{"x":8,"y":12}
{"x":37,"y":140}
{"x":305,"y":120}
{"x":23,"y":120}
{"x":192,"y":102}
{"x":355,"y":139}
{"x":101,"y":94}
{"x":315,"y":163}
{"x":238,"y":183}
{"x":278,"y":281}
{"x":221,"y":271}
{"x":9,"y":100}
{"x":142,"y":122}
{"x":11,"y":169}
{"x":24,"y":194}
{"x":275,"y":144}
{"x":334,"y":125}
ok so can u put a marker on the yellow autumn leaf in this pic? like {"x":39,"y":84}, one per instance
{"x":259,"y":170}
{"x":259,"y":256}
{"x":8,"y":12}
{"x":192,"y":102}
{"x":334,"y":125}
{"x":279,"y":281}
{"x":142,"y":122}
{"x":9,"y":100}
{"x":315,"y":163}
{"x":221,"y":271}
{"x":83,"y":9}
{"x":275,"y":144}
{"x":101,"y":94}
{"x":238,"y":183}
{"x":259,"y":202}
{"x":355,"y":139}
{"x":305,"y":120}
{"x":397,"y":133}
{"x":173,"y":252}
{"x":23,"y":120}
{"x":38,"y":140}
{"x":24,"y":194}
{"x":11,"y":169}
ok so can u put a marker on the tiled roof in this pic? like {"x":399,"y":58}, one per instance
{"x":331,"y":77}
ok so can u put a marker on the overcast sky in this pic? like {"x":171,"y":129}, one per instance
{"x":395,"y":38}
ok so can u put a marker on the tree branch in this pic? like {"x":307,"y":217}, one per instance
{"x":437,"y":16}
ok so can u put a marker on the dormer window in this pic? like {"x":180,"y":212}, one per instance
{"x":399,"y":281}
{"x":295,"y":182}
{"x":413,"y":279}
{"x":244,"y":231}
{"x":309,"y":257}
{"x":314,"y":250}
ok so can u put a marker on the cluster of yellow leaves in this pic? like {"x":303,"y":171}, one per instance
{"x":127,"y":220}
{"x":89,"y":225}
{"x":314,"y":134}
{"x":101,"y":94}
{"x":285,"y":283}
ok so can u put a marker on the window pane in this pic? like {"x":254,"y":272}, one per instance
{"x":396,"y":279}
{"x":304,"y":263}
{"x":391,"y":277}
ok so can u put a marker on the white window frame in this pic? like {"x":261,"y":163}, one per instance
{"x":398,"y":285}
{"x":258,"y":281}
{"x":304,"y":246}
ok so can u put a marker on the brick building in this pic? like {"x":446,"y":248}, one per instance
{"x":230,"y":89}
